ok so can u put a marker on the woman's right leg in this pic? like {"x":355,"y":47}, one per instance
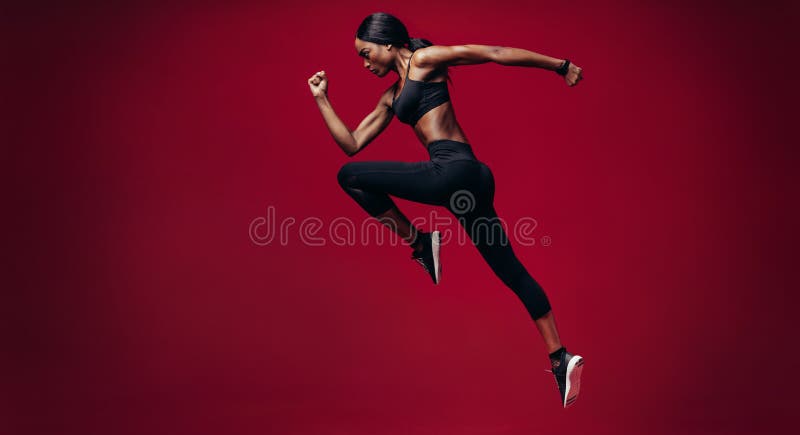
{"x":371,"y":183}
{"x":399,"y":223}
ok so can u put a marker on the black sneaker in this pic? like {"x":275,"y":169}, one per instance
{"x":567,"y":372}
{"x":429,"y":256}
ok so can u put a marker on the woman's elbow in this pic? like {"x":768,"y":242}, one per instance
{"x":351,"y":151}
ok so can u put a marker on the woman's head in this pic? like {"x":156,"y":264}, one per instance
{"x":378,"y":31}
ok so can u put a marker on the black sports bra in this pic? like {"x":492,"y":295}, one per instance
{"x":418,"y":98}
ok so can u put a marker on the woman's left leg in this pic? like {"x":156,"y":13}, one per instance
{"x":486,"y":231}
{"x":477,"y":215}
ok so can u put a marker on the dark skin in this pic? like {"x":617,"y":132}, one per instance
{"x":429,"y":65}
{"x":438,"y":123}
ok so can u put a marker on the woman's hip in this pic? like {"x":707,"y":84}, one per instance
{"x":445,"y":150}
{"x":469,"y":185}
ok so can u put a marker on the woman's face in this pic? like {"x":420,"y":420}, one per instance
{"x":377,"y":58}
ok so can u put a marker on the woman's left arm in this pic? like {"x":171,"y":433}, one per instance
{"x":436,"y":56}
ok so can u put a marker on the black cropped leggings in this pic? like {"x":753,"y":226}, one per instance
{"x":455,"y":179}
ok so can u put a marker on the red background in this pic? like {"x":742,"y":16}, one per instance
{"x":142,"y":141}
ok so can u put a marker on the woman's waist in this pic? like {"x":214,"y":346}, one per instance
{"x":446,"y":149}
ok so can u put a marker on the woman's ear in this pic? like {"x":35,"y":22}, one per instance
{"x":389,"y":47}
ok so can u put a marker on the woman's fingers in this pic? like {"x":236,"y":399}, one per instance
{"x":317,"y":78}
{"x":318,"y":83}
{"x":575,"y":75}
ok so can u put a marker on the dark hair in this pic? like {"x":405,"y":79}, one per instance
{"x":383,"y":28}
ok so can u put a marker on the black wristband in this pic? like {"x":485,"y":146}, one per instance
{"x":562,"y":70}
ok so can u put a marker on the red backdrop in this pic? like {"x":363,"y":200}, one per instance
{"x":143,"y":142}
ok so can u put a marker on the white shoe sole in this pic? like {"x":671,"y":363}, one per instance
{"x":574,"y":370}
{"x":437,"y":266}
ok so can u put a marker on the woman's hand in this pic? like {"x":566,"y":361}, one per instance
{"x":574,"y":74}
{"x":318,"y":83}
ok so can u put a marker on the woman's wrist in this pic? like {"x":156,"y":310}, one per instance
{"x":563,"y":67}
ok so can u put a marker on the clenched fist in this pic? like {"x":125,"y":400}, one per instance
{"x":318,"y":83}
{"x":574,"y":74}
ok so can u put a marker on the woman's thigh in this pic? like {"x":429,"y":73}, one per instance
{"x":414,"y":181}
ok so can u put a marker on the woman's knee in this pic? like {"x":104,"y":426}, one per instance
{"x":347,"y":175}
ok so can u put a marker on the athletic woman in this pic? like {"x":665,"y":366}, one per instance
{"x":453,"y":177}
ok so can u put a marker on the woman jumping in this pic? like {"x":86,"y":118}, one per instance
{"x":453,"y":177}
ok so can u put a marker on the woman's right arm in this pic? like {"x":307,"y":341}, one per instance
{"x":354,"y":141}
